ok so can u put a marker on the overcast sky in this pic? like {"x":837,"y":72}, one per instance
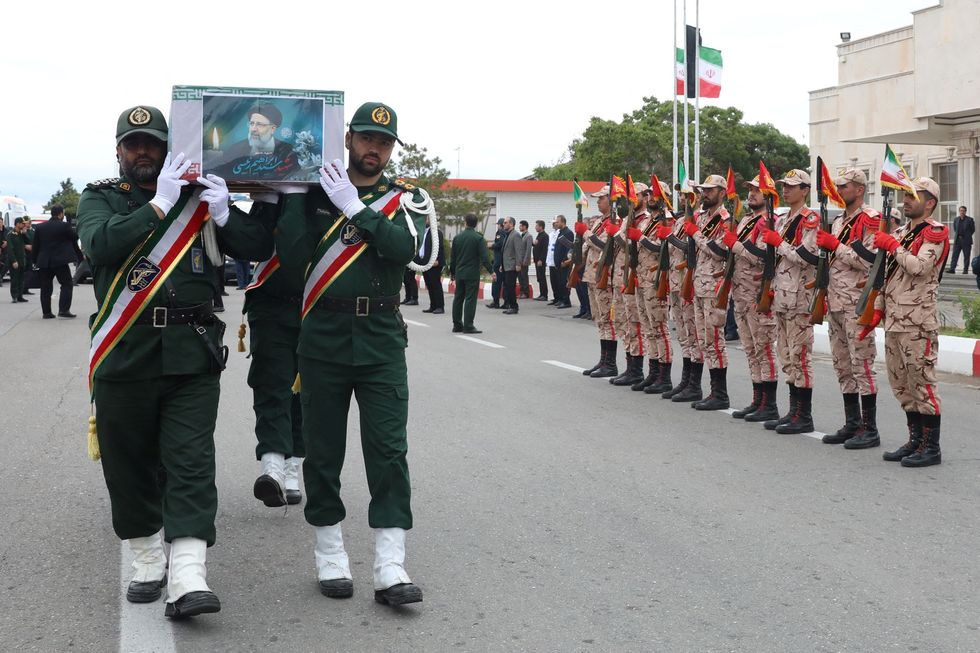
{"x":509,"y":83}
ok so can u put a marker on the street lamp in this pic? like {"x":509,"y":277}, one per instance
{"x":845,"y":37}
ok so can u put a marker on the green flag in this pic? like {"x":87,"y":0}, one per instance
{"x":578,"y":195}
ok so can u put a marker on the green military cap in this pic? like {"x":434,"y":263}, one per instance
{"x":141,"y":120}
{"x":375,"y":117}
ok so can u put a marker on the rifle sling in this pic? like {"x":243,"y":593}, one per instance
{"x":807,"y":255}
{"x":753,"y":249}
{"x":717,"y":249}
{"x":598,"y":242}
{"x":863,"y":251}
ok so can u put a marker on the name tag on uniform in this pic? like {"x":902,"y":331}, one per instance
{"x":197,"y":260}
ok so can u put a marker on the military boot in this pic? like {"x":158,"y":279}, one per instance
{"x":650,"y":379}
{"x":754,"y":406}
{"x":692,"y":391}
{"x":685,"y":379}
{"x":607,"y":365}
{"x":718,"y":399}
{"x":602,"y":357}
{"x":852,"y":421}
{"x":914,"y":421}
{"x":793,"y":404}
{"x":927,"y":452}
{"x":867,"y":435}
{"x":633,"y":373}
{"x":663,"y":383}
{"x":767,"y":404}
{"x":802,"y":419}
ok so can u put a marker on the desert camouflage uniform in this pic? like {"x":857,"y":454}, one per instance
{"x":683,"y":312}
{"x":629,"y":326}
{"x":791,"y":303}
{"x":712,"y":255}
{"x":654,"y":312}
{"x":756,"y":330}
{"x":601,"y":300}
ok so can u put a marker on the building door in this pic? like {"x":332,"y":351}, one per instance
{"x":945,"y":176}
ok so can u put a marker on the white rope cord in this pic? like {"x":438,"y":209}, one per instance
{"x":424,"y":207}
{"x":209,"y":234}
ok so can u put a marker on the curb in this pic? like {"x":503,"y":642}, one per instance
{"x":450,"y":287}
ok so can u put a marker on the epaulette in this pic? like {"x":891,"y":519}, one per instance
{"x":868,"y":219}
{"x":404,"y":184}
{"x":102,"y":184}
{"x":723,"y":213}
{"x":936,"y":233}
{"x":810,"y":220}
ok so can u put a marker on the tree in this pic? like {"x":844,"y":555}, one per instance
{"x":451,"y":202}
{"x":67,"y":197}
{"x":641,"y":144}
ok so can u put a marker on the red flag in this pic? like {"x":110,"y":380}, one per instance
{"x":631,"y":191}
{"x":827,"y":186}
{"x":658,"y":193}
{"x":617,"y":188}
{"x":767,"y":185}
{"x":732,"y":194}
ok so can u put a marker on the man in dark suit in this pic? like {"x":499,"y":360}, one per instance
{"x":540,"y":255}
{"x":433,"y":276}
{"x":562,"y":247}
{"x":55,"y":246}
{"x":498,"y":264}
{"x":963,"y":228}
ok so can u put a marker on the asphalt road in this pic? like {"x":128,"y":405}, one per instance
{"x":552,"y":512}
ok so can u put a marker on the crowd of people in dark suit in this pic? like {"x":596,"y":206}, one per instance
{"x":36,"y":256}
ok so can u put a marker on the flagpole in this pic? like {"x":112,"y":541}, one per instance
{"x":687,"y":159}
{"x":697,"y":91}
{"x":674,"y":61}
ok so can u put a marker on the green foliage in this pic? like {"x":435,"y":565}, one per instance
{"x":67,"y":197}
{"x":641,"y":144}
{"x":452,"y":203}
{"x":971,"y":312}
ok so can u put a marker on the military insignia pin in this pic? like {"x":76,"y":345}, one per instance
{"x":142,"y":275}
{"x":350,"y":235}
{"x":139,"y":116}
{"x":381,"y":116}
{"x":124,"y":186}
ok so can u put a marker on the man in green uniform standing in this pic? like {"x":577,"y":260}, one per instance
{"x":16,"y":254}
{"x":272,"y":303}
{"x":156,"y":353}
{"x":469,"y":254}
{"x":357,"y":235}
{"x":29,"y":232}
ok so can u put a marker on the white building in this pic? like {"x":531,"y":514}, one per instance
{"x":916,"y":88}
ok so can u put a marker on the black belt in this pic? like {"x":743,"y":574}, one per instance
{"x":161,"y":316}
{"x":360,"y":306}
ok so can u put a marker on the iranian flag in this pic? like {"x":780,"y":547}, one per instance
{"x":709,"y":72}
{"x":578,"y":195}
{"x":893,"y":174}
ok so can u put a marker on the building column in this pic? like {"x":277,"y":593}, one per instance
{"x":968,"y":182}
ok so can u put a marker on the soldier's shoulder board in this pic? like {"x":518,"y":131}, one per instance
{"x":936,"y":232}
{"x":870,"y":212}
{"x":102,"y":184}
{"x":404,"y":184}
{"x":811,"y":220}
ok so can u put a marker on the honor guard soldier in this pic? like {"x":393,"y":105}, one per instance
{"x":917,"y":253}
{"x":272,"y":304}
{"x":603,"y":227}
{"x":707,"y":231}
{"x":16,"y":254}
{"x":357,"y":234}
{"x":795,"y":240}
{"x":757,"y":330}
{"x":851,"y":248}
{"x":156,"y":356}
{"x":625,"y":304}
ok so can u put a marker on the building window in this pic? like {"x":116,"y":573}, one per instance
{"x":945,"y":176}
{"x":869,"y":190}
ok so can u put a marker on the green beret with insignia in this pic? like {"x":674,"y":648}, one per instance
{"x":142,"y":119}
{"x":375,"y":117}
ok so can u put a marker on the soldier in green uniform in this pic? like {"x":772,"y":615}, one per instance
{"x":16,"y":254}
{"x":272,"y":303}
{"x":469,"y":254}
{"x":29,"y":274}
{"x":357,"y":235}
{"x":157,"y":355}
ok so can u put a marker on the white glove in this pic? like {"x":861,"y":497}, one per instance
{"x":169,"y":182}
{"x":216,"y":196}
{"x":343,"y":194}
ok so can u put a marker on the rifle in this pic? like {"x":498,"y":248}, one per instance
{"x":632,"y":260}
{"x":609,"y":250}
{"x":876,"y":276}
{"x":663,"y":269}
{"x":576,"y":274}
{"x":687,"y":284}
{"x":726,"y":285}
{"x":764,"y":301}
{"x":818,"y":303}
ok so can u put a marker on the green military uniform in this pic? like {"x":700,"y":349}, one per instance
{"x":273,"y":310}
{"x":469,"y":254}
{"x":341,"y":353}
{"x":156,"y":393}
{"x":16,"y":254}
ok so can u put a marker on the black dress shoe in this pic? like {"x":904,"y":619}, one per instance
{"x":191,"y":604}
{"x":510,"y":311}
{"x":472,"y":331}
{"x":411,"y":302}
{"x":399,"y":594}
{"x":48,"y":316}
{"x":542,"y":299}
{"x":438,"y":311}
{"x":68,"y":315}
{"x":338,"y":588}
{"x":293,"y":497}
{"x":564,"y":305}
{"x":268,"y":491}
{"x":147,"y":592}
{"x":493,"y":305}
{"x":21,"y":300}
{"x":428,"y":310}
{"x":457,"y":329}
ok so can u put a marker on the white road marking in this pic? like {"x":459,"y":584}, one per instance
{"x":565,"y":366}
{"x":485,"y":343}
{"x":142,"y":626}
{"x":414,"y":323}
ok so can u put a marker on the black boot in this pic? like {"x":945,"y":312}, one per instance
{"x":718,"y":399}
{"x":802,"y":421}
{"x":691,"y":392}
{"x":685,"y":379}
{"x":663,"y":383}
{"x":633,"y":373}
{"x":602,"y":357}
{"x":650,"y":379}
{"x":928,"y":451}
{"x":852,"y":421}
{"x":794,"y":397}
{"x":754,"y":406}
{"x":914,"y":421}
{"x":767,"y":404}
{"x":607,"y":367}
{"x":867,"y":435}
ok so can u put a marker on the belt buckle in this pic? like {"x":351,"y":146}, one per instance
{"x":160,"y":316}
{"x":362,"y":306}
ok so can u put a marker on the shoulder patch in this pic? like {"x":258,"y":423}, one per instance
{"x":102,"y":184}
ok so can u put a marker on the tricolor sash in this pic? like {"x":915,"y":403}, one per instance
{"x":263,"y":271}
{"x":143,"y":274}
{"x":338,"y":249}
